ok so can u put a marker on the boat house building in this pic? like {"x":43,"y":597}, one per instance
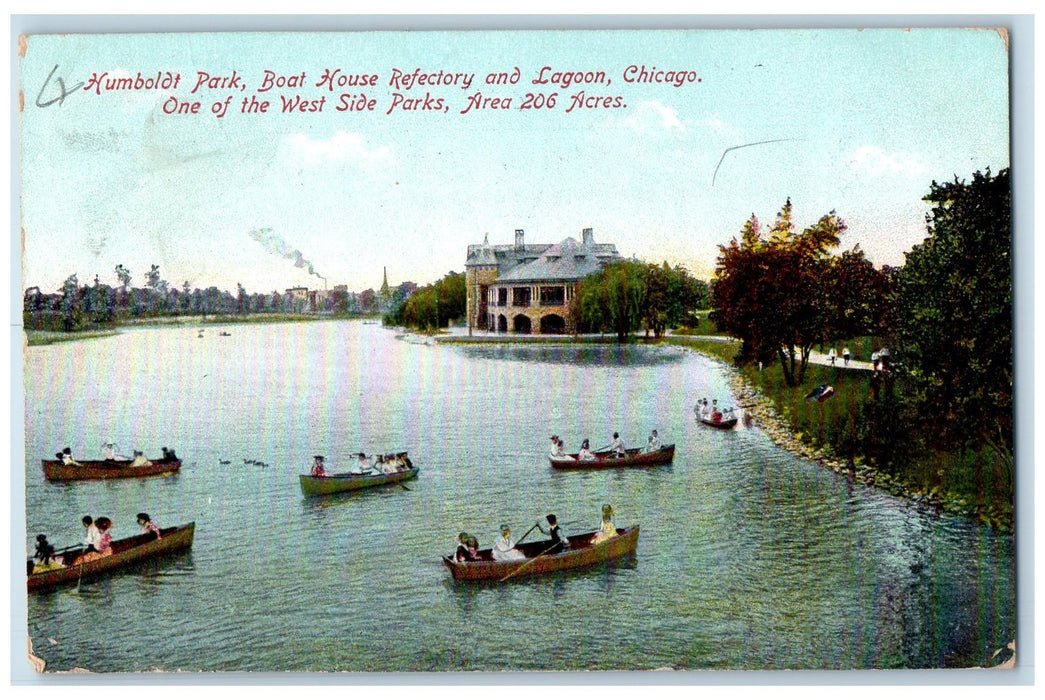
{"x":530,"y":288}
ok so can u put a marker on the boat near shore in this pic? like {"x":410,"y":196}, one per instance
{"x":633,"y":457}
{"x":125,"y":552}
{"x":721,"y":423}
{"x":582,"y":553}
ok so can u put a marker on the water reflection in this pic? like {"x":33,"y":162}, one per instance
{"x":610,"y":355}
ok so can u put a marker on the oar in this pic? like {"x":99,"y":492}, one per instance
{"x":526,"y":564}
{"x":527,"y":533}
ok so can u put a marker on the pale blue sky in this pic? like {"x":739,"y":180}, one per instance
{"x":872,"y":118}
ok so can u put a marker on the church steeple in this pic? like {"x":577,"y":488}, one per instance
{"x":384,"y":284}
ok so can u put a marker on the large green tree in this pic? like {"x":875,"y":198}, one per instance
{"x":771,"y":292}
{"x":953,"y":313}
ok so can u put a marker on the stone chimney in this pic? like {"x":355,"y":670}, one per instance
{"x":519,"y":245}
{"x":587,"y":238}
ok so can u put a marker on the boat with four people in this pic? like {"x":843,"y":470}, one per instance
{"x":339,"y":483}
{"x":58,"y":470}
{"x":632,"y":457}
{"x":582,"y":553}
{"x":125,"y":552}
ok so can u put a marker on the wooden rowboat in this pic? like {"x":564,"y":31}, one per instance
{"x":55,"y":470}
{"x":337,"y":483}
{"x":634,"y":457}
{"x":124,"y":553}
{"x":720,"y":424}
{"x":581,"y":553}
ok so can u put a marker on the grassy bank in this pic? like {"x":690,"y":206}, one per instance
{"x":33,"y":338}
{"x":853,"y":434}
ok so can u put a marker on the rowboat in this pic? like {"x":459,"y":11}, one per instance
{"x":124,"y":553}
{"x":633,"y":457}
{"x":337,"y":483}
{"x":55,"y":470}
{"x":722,"y":424}
{"x":581,"y":553}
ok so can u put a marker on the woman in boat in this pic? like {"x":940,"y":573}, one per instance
{"x":559,"y":541}
{"x":586,"y":455}
{"x":556,"y":451}
{"x":103,"y":546}
{"x":140,"y":460}
{"x":110,"y":454}
{"x":147,"y":525}
{"x":464,"y":552}
{"x":617,"y":446}
{"x":504,"y":549}
{"x":318,"y":470}
{"x":606,"y":530}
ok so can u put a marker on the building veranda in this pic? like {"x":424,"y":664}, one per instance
{"x":530,"y":288}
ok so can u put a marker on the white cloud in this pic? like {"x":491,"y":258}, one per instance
{"x":874,"y":161}
{"x":654,"y":116}
{"x":343,"y":146}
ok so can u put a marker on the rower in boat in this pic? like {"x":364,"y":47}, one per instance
{"x":362,"y":465}
{"x":44,"y":558}
{"x":617,"y":446}
{"x":66,"y":455}
{"x":559,"y":540}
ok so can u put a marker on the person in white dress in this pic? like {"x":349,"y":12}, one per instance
{"x":504,"y":549}
{"x":586,"y":455}
{"x":109,"y":453}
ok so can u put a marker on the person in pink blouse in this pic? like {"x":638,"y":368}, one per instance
{"x":148,"y":525}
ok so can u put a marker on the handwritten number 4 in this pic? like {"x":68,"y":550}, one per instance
{"x":62,"y":92}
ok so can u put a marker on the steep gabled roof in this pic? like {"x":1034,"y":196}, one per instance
{"x":567,"y":260}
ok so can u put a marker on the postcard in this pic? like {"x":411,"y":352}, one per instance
{"x":369,"y":352}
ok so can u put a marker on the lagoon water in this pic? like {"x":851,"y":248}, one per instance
{"x":749,"y":558}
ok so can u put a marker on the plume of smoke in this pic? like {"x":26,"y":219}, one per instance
{"x":274,"y":244}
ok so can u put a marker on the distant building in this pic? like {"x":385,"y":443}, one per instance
{"x":530,"y":288}
{"x":297,"y":293}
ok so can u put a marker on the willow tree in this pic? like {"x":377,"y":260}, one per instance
{"x":613,"y":298}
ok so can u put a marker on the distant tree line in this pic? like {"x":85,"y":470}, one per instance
{"x":77,"y":307}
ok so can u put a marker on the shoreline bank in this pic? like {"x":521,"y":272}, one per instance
{"x":760,"y":410}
